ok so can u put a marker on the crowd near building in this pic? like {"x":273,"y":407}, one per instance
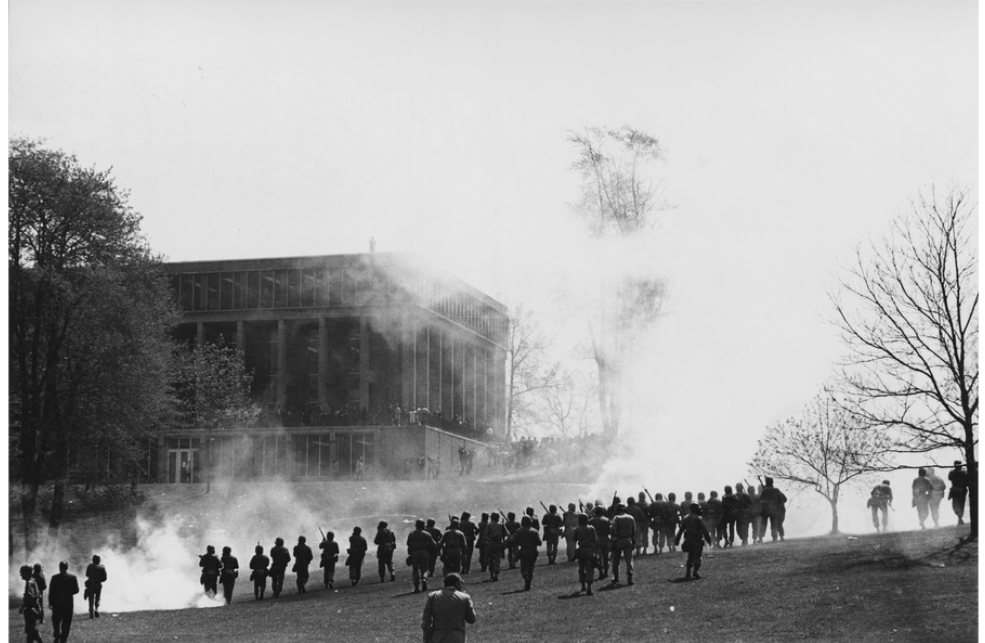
{"x":372,"y":365}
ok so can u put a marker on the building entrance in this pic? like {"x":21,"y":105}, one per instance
{"x":183,"y":465}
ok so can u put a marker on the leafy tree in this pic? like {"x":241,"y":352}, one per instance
{"x":619,"y":198}
{"x":212,"y":391}
{"x":823,"y":449}
{"x":89,"y":315}
{"x":908,"y":313}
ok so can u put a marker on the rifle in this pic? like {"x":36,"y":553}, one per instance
{"x":502,"y":514}
{"x":322,"y":534}
{"x":581,"y":506}
{"x":545,"y":508}
{"x":648,"y":494}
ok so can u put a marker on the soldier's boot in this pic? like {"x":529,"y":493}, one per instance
{"x":687,"y":574}
{"x":424,"y":585}
{"x":696,"y":576}
{"x":589,"y":590}
{"x":526,"y":584}
{"x":582,"y":587}
{"x":629,"y":579}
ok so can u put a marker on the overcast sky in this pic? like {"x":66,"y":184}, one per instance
{"x":793,"y":130}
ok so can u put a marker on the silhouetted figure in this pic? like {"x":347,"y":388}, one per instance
{"x":496,"y":536}
{"x":386,"y":544}
{"x":302,"y":559}
{"x":528,"y":541}
{"x":429,"y":527}
{"x":329,"y":556}
{"x":259,"y":570}
{"x":451,"y":547}
{"x":420,"y":544}
{"x":211,"y":566}
{"x":356,"y":554}
{"x":880,"y":499}
{"x":937,"y":489}
{"x":774,"y":508}
{"x":229,"y":574}
{"x":921,"y":489}
{"x":30,"y":605}
{"x":61,"y":600}
{"x":586,"y":541}
{"x":695,"y":534}
{"x":623,"y":540}
{"x":38,"y":575}
{"x":602,"y":526}
{"x":279,"y":558}
{"x":95,"y":577}
{"x":958,"y":478}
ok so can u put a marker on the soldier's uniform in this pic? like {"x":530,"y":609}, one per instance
{"x":433,"y":555}
{"x":211,"y":566}
{"x":586,"y":540}
{"x":774,"y":507}
{"x":512,"y":526}
{"x":634,"y":510}
{"x":528,"y":541}
{"x":744,"y":502}
{"x":695,"y":534}
{"x":452,"y":546}
{"x":552,"y":532}
{"x":623,"y":537}
{"x":279,"y":558}
{"x":259,"y":565}
{"x":570,"y":524}
{"x":730,"y":516}
{"x":386,"y":543}
{"x":602,"y":527}
{"x":420,"y":544}
{"x":230,"y":571}
{"x":756,"y":513}
{"x":644,"y":526}
{"x":469,"y":528}
{"x":880,"y":500}
{"x":302,"y":559}
{"x":329,"y":556}
{"x":495,"y":535}
{"x":481,"y":542}
{"x":659,"y":512}
{"x":358,"y":546}
{"x":673,"y":519}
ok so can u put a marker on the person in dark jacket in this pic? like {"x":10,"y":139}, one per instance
{"x":279,"y":558}
{"x":61,"y":600}
{"x":586,"y":541}
{"x":528,"y":541}
{"x":429,"y":527}
{"x":744,"y":501}
{"x":95,"y":577}
{"x":211,"y":566}
{"x":30,"y":605}
{"x":259,"y":570}
{"x":623,"y":536}
{"x":730,"y":516}
{"x":695,"y":534}
{"x":302,"y":560}
{"x":496,"y":536}
{"x":451,"y":547}
{"x":386,"y":544}
{"x":329,"y":556}
{"x":229,"y":573}
{"x":420,"y":544}
{"x":774,"y":508}
{"x":356,"y":554}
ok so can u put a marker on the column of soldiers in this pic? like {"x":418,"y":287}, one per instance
{"x":598,"y":538}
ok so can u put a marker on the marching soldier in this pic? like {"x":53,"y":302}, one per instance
{"x":259,"y":570}
{"x":570,"y":525}
{"x":230,"y":571}
{"x":528,"y":541}
{"x":552,"y":532}
{"x":602,"y":527}
{"x":386,"y":544}
{"x":695,"y":534}
{"x":624,"y":537}
{"x":452,"y":546}
{"x":587,"y":542}
{"x":356,"y":554}
{"x":302,"y":559}
{"x":433,"y":553}
{"x":329,"y":556}
{"x":495,"y":536}
{"x":512,"y":526}
{"x":420,"y":544}
{"x":279,"y":558}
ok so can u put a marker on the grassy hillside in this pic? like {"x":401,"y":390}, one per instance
{"x":905,"y":586}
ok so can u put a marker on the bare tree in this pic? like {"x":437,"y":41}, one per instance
{"x":823,"y":449}
{"x":566,"y":405}
{"x":908,"y":312}
{"x":619,"y":197}
{"x":528,"y":369}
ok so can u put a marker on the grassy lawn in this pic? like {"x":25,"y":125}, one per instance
{"x":919,"y":586}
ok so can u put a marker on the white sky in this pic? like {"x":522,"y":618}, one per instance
{"x":794,"y":130}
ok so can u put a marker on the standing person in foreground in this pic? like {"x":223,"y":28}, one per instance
{"x":30,"y":605}
{"x":695,"y":534}
{"x":623,"y":541}
{"x":229,"y":574}
{"x":446,"y":612}
{"x":95,"y":577}
{"x":61,"y":600}
{"x":958,"y":478}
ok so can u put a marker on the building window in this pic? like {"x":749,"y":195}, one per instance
{"x":309,"y":286}
{"x":312,"y":356}
{"x":267,"y":289}
{"x":226,"y":291}
{"x":213,"y":296}
{"x":280,"y":289}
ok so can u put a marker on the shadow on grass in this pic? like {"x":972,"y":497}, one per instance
{"x":949,"y":555}
{"x":515,"y":591}
{"x":563,"y":597}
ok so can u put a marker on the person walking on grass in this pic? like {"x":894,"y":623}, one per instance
{"x":587,"y":544}
{"x":695,"y":534}
{"x":259,"y":570}
{"x":95,"y":577}
{"x":880,"y":500}
{"x":623,"y":542}
{"x":302,"y":560}
{"x":356,"y":554}
{"x":329,"y":556}
{"x":61,"y":600}
{"x":30,"y":607}
{"x":229,"y":573}
{"x":446,"y":612}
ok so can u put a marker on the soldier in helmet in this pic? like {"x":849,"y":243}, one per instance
{"x":302,"y":559}
{"x":211,"y":565}
{"x":419,"y":547}
{"x":429,"y":527}
{"x":496,"y":536}
{"x":695,"y":534}
{"x":552,"y":532}
{"x":602,"y":527}
{"x":386,"y":544}
{"x":329,"y":557}
{"x":528,"y":541}
{"x":451,"y":547}
{"x":570,"y":524}
{"x":624,"y":538}
{"x":471,"y":531}
{"x":230,"y":571}
{"x":512,"y":526}
{"x":258,"y":573}
{"x":587,"y":542}
{"x":356,"y":554}
{"x":279,"y":558}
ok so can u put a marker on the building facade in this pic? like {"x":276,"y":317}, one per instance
{"x":358,"y":361}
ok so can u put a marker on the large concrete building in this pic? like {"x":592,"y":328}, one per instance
{"x":364,"y":364}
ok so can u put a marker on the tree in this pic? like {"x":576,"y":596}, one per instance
{"x":908,"y":313}
{"x":823,"y":449}
{"x":528,"y":370}
{"x":566,"y":405}
{"x":89,"y":318}
{"x":212,"y":391}
{"x":619,"y":198}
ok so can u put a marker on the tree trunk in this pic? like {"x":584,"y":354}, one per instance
{"x":57,"y":509}
{"x":29,"y":510}
{"x":834,"y":512}
{"x":972,"y":489}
